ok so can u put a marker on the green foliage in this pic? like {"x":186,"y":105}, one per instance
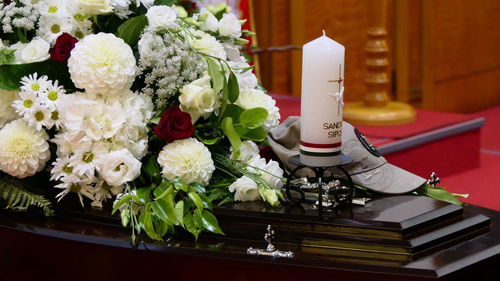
{"x":440,"y":193}
{"x":167,"y":204}
{"x":10,"y":75}
{"x":17,"y":198}
{"x":130,"y":31}
{"x":6,"y":56}
{"x":165,"y":2}
{"x":233,"y":88}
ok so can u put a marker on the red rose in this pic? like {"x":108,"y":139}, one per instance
{"x":62,"y":49}
{"x":174,"y":125}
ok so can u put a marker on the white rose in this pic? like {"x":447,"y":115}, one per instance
{"x":230,"y":26}
{"x":209,"y":22}
{"x":198,"y":98}
{"x":252,"y":98}
{"x":35,"y":51}
{"x":162,"y":17}
{"x":94,"y":7}
{"x":244,"y":189}
{"x":207,"y":44}
{"x":187,"y":159}
{"x":119,"y":167}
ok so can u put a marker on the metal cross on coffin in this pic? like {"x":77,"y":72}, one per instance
{"x":340,"y":94}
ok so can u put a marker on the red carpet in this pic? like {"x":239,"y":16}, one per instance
{"x":481,"y":183}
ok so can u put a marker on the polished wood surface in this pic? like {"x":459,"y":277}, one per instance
{"x":444,"y":52}
{"x":61,"y":248}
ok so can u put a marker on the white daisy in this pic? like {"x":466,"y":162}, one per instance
{"x":61,"y":168}
{"x":27,"y":102}
{"x":38,"y":117}
{"x":50,"y":97}
{"x":33,"y":83}
{"x":86,"y":162}
{"x":52,"y":26}
{"x":79,"y":186}
{"x":105,"y":191}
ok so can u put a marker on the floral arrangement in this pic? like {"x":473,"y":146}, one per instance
{"x":148,"y":105}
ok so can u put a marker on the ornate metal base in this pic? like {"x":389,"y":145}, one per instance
{"x":323,"y":183}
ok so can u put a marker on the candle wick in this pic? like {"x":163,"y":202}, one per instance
{"x":324,"y":33}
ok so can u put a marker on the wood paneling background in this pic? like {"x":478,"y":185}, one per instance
{"x":445,"y":53}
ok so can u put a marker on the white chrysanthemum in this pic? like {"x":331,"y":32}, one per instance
{"x":102,"y":64}
{"x":23,"y":150}
{"x":245,"y":189}
{"x":252,"y":98}
{"x":7,"y":111}
{"x":187,"y":159}
{"x":207,"y":44}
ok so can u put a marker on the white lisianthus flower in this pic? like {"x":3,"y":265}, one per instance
{"x":23,"y":150}
{"x":94,"y":7}
{"x":249,"y":152}
{"x":188,"y":159}
{"x":7,"y":111}
{"x":208,"y":22}
{"x":252,"y":98}
{"x":35,"y":51}
{"x":246,"y":79}
{"x":207,"y":44}
{"x":198,"y":98}
{"x":244,"y":189}
{"x":162,"y":17}
{"x":102,"y":64}
{"x":230,"y":26}
{"x":273,"y":174}
{"x":119,"y":167}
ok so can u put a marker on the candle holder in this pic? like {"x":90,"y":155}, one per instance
{"x":342,"y":194}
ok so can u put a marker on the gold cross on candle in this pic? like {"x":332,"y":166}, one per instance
{"x":340,"y":79}
{"x":340,"y":94}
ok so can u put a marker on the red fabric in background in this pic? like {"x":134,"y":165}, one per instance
{"x":426,"y":121}
{"x":491,"y":130}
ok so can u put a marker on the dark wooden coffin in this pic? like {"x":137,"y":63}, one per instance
{"x":391,"y":238}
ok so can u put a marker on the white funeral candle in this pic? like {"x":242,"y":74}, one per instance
{"x":321,"y":102}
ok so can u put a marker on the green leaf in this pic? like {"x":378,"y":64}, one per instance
{"x":228,"y":129}
{"x":131,"y":30}
{"x":207,"y":204}
{"x":22,"y":37}
{"x":152,"y":168}
{"x":216,"y":74}
{"x":199,"y":188}
{"x":161,"y":227}
{"x":165,"y":2}
{"x":224,"y":98}
{"x":233,"y":88}
{"x":167,"y":207}
{"x":234,"y":111}
{"x":7,"y":56}
{"x":210,"y":223}
{"x":161,"y":190}
{"x":148,"y":224}
{"x":253,"y":118}
{"x":195,"y":198}
{"x":438,"y":193}
{"x":180,"y":185}
{"x":258,"y":134}
{"x":10,"y":75}
{"x":143,"y":194}
{"x":158,"y":210}
{"x":191,"y":226}
{"x":124,"y":199}
{"x":179,"y":212}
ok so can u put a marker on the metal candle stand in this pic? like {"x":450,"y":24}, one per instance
{"x":320,"y":179}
